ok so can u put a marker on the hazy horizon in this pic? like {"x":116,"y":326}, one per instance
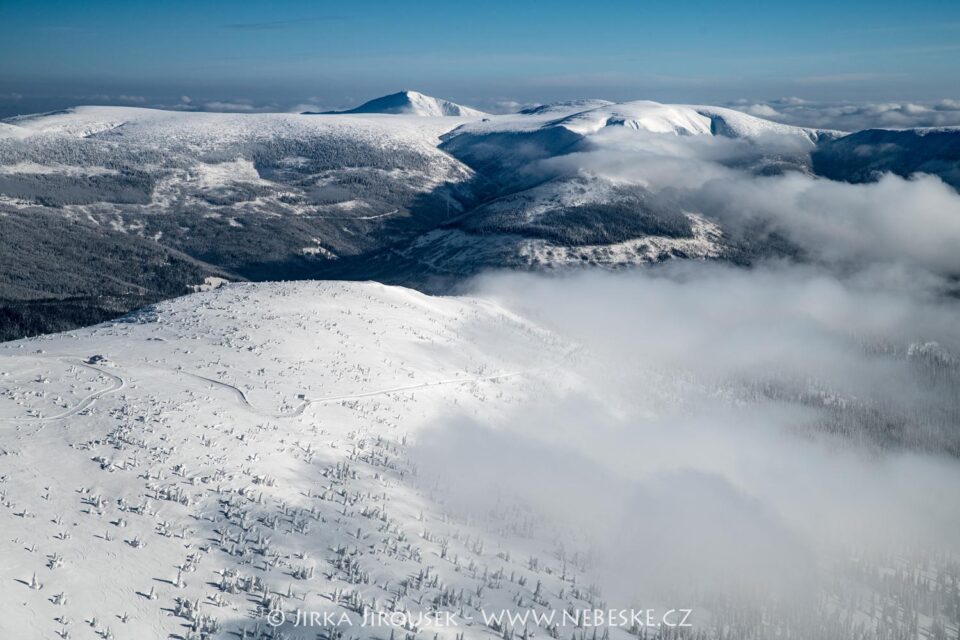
{"x":292,"y":55}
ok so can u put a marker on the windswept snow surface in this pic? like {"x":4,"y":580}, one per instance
{"x":201,"y":467}
{"x":244,"y":449}
{"x":208,"y":131}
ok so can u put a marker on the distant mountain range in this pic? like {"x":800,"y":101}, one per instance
{"x":105,"y":209}
{"x":860,"y":156}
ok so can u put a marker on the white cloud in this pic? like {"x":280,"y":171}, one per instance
{"x":722,"y":425}
{"x":218,"y":105}
{"x":915,"y":221}
{"x":307,"y":106}
{"x":858,"y":116}
{"x":894,"y":220}
{"x":761,"y":110}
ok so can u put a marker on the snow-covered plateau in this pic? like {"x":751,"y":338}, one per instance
{"x":245,"y":449}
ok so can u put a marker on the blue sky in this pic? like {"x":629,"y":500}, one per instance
{"x":336,"y":54}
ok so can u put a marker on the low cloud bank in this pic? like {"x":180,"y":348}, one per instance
{"x":724,"y":431}
{"x":762,"y":185}
{"x":725,"y":434}
{"x":856,"y":116}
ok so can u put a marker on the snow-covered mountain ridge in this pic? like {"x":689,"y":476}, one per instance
{"x":165,"y":199}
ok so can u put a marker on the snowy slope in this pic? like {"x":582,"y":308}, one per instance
{"x":270,"y":163}
{"x":230,"y":195}
{"x":641,"y":115}
{"x":416,"y":104}
{"x":456,"y":253}
{"x":571,"y":221}
{"x":184,"y":471}
{"x":245,"y":449}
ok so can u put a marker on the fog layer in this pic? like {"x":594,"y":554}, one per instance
{"x":733,"y":439}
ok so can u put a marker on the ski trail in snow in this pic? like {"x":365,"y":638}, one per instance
{"x":119,"y":383}
{"x":436,"y":383}
{"x":373,"y":217}
{"x":223,"y":385}
{"x":299,"y":409}
{"x":87,"y":401}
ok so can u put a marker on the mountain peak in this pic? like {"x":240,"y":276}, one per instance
{"x":411,"y":102}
